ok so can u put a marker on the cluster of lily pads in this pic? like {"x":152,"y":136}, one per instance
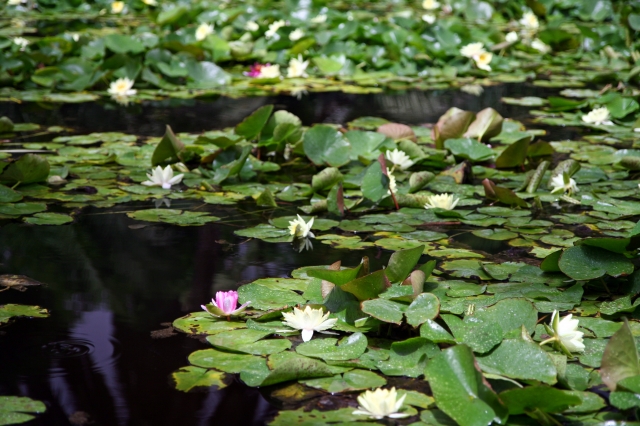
{"x":74,"y":51}
{"x":492,"y":351}
{"x":19,"y":409}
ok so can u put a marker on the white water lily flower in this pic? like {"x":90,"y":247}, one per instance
{"x":381,"y":403}
{"x":392,"y":182}
{"x":441,"y":201}
{"x":430,"y":4}
{"x":511,"y":37}
{"x":297,"y":67}
{"x":559,"y":186}
{"x":429,"y":18}
{"x":598,"y":116}
{"x":482,"y":60}
{"x":163,"y":178}
{"x":117,"y":7}
{"x":472,"y":49}
{"x":301,"y":229}
{"x":296,"y":34}
{"x":273,"y":28}
{"x":308,"y":321}
{"x":399,"y":159}
{"x":251,"y":26}
{"x":21,"y":42}
{"x":320,"y":19}
{"x":270,"y":71}
{"x":565,"y":333}
{"x":540,"y":46}
{"x":530,"y":20}
{"x":203,"y":31}
{"x":121,"y":89}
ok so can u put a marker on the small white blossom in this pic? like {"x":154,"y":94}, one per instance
{"x":530,"y":21}
{"x":565,"y":333}
{"x":296,"y":34}
{"x":482,"y":60}
{"x":472,"y":49}
{"x":540,"y":46}
{"x":598,"y":116}
{"x":203,"y":31}
{"x":399,"y":159}
{"x":557,"y":182}
{"x":14,"y":2}
{"x":270,"y":71}
{"x":430,"y":4}
{"x":637,"y":130}
{"x":441,"y":201}
{"x":393,"y":188}
{"x":381,"y":403}
{"x":308,"y":321}
{"x":429,"y":18}
{"x":150,"y":2}
{"x":301,"y":229}
{"x":320,"y":19}
{"x":163,"y":178}
{"x":117,"y":7}
{"x":297,"y":67}
{"x":21,"y":42}
{"x":273,"y":28}
{"x":511,"y":37}
{"x":121,"y":89}
{"x":251,"y":26}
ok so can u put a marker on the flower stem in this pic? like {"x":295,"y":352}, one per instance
{"x":552,"y":339}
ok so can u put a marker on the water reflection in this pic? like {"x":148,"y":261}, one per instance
{"x":107,"y":286}
{"x":149,"y":118}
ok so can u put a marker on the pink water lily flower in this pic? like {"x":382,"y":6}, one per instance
{"x":225,"y":304}
{"x":254,"y":71}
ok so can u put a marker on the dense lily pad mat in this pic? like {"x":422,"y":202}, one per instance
{"x":480,"y":345}
{"x":70,"y":51}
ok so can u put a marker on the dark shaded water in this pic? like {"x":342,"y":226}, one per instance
{"x":108,"y":285}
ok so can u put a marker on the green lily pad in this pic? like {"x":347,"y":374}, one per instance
{"x":174,"y":217}
{"x":587,"y":263}
{"x":460,"y":390}
{"x":19,"y":409}
{"x":190,"y":378}
{"x":11,"y":310}
{"x":49,"y":219}
{"x":248,"y":341}
{"x":350,"y":381}
{"x":521,"y":360}
{"x":425,"y":307}
{"x":350,"y":347}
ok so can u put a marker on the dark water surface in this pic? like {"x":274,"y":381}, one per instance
{"x":108,"y":285}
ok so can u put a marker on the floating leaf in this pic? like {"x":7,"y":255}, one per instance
{"x":19,"y":409}
{"x":460,"y":390}
{"x":587,"y":263}
{"x":12,"y":310}
{"x":620,"y":359}
{"x":190,"y":378}
{"x":169,"y":149}
{"x":252,"y":125}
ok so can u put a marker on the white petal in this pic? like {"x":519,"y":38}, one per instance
{"x":307,"y":334}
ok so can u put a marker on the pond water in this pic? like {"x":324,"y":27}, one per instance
{"x":109,"y":283}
